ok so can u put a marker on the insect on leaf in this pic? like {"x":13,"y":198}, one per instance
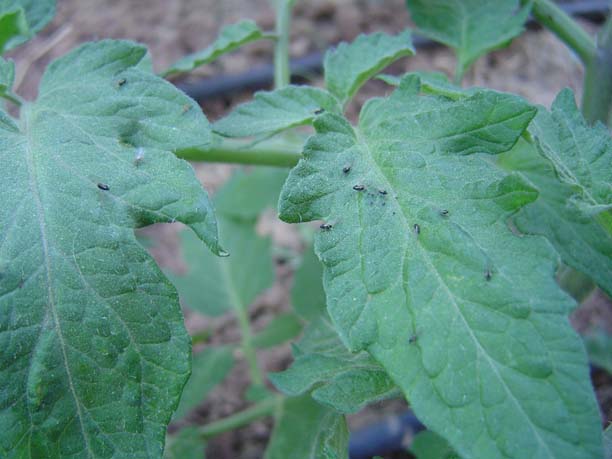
{"x":439,"y":308}
{"x":94,"y":351}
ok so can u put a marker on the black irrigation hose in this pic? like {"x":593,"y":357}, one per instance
{"x":263,"y":76}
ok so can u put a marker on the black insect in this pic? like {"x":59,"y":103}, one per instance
{"x":346,"y":169}
{"x":358,"y":187}
{"x":417,"y":229}
{"x":488,"y":275}
{"x":121,"y":82}
{"x":318,"y":111}
{"x":325,"y":226}
{"x":103,"y":186}
{"x":444,"y":212}
{"x":412,"y":339}
{"x":383,"y":192}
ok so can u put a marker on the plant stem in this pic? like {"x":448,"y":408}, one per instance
{"x":597,"y":96}
{"x":563,"y":26}
{"x":265,"y":408}
{"x":254,"y":156}
{"x":282,"y":73}
{"x":459,"y":71}
{"x":14,"y":98}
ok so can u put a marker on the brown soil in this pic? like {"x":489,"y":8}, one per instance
{"x":536,"y":66}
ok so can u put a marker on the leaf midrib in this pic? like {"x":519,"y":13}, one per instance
{"x":51,"y":307}
{"x":360,"y":137}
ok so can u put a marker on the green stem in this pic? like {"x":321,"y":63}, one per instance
{"x":254,"y":156}
{"x":247,"y":347}
{"x":13,"y":98}
{"x":597,"y":96}
{"x":282,"y":72}
{"x":459,"y":72}
{"x":563,"y":26}
{"x":260,"y":410}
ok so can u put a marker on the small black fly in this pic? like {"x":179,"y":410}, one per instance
{"x":417,"y":229}
{"x":358,"y":187}
{"x":325,"y":226}
{"x":103,"y":186}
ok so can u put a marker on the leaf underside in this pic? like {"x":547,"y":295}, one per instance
{"x":94,"y":351}
{"x":422,"y":270}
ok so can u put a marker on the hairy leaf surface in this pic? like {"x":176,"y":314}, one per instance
{"x":274,"y":111}
{"x":422,"y":270}
{"x":580,"y":154}
{"x":471,"y":27}
{"x":307,"y":294}
{"x":334,"y":376}
{"x":580,"y":239}
{"x":306,"y":430}
{"x":94,"y":353}
{"x":230,"y":38}
{"x":20,"y":20}
{"x":429,"y":445}
{"x":350,"y":65}
{"x":7,"y":75}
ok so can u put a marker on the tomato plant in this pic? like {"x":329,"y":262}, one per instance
{"x":443,"y":213}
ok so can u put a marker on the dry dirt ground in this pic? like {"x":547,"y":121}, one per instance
{"x":536,"y":66}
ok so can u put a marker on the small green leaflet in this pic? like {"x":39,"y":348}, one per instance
{"x":335,"y":377}
{"x":94,"y":349}
{"x":579,"y":239}
{"x":350,"y":65}
{"x":581,"y":155}
{"x":186,"y":444}
{"x":306,"y":430}
{"x":7,"y":76}
{"x":428,"y":445}
{"x":599,"y":347}
{"x":209,"y":368}
{"x":229,"y":39}
{"x":212,"y":285}
{"x":421,"y":269}
{"x":432,"y":83}
{"x":471,"y":27}
{"x":307,"y":294}
{"x":20,"y":20}
{"x":280,"y":329}
{"x":274,"y":111}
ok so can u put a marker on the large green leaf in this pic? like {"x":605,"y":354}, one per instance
{"x":273,"y":111}
{"x":209,"y":368}
{"x":581,"y":154}
{"x":422,"y":271}
{"x":334,"y":376}
{"x":599,"y":347}
{"x":608,"y":442}
{"x":230,"y":38}
{"x":94,"y":353}
{"x":7,"y":76}
{"x":350,"y":65}
{"x":20,"y":20}
{"x":580,"y":240}
{"x":471,"y":27}
{"x":306,"y":430}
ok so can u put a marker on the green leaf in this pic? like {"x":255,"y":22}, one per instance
{"x":280,"y":329}
{"x":94,"y":350}
{"x":421,"y":269}
{"x":608,"y":442}
{"x":599,"y":347}
{"x":580,"y":154}
{"x":432,"y":83}
{"x":186,"y":444}
{"x":429,"y":445}
{"x":7,"y":76}
{"x":213,"y":285}
{"x":230,"y":38}
{"x":248,"y":193}
{"x":579,"y":239}
{"x":335,"y":377}
{"x":274,"y":111}
{"x":306,"y":430}
{"x":307,"y":294}
{"x":20,"y":20}
{"x":471,"y":27}
{"x":209,"y":368}
{"x":349,"y":66}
